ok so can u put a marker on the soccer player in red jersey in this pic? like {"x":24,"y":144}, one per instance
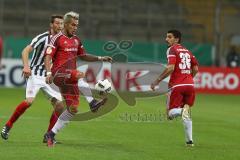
{"x":182,"y":66}
{"x":63,"y":51}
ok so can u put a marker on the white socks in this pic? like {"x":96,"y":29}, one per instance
{"x":62,"y":121}
{"x":85,"y":89}
{"x":187,"y":123}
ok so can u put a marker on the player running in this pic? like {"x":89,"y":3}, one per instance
{"x":182,"y":66}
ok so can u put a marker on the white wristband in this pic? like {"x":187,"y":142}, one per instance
{"x":100,"y":58}
{"x":49,"y":73}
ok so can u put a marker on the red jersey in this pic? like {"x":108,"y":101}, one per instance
{"x":183,"y":60}
{"x":64,"y":51}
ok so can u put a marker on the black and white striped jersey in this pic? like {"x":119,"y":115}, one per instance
{"x":39,"y":44}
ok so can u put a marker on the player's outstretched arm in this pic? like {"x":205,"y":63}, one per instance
{"x":169,"y":69}
{"x":25,"y":55}
{"x":92,"y":58}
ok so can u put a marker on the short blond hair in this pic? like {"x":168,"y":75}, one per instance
{"x":67,"y":17}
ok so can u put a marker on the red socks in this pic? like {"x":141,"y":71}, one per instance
{"x":53,"y":120}
{"x":20,"y":109}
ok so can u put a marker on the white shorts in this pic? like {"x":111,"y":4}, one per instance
{"x":34,"y":83}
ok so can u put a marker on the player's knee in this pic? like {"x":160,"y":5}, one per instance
{"x":73,"y":109}
{"x":29,"y":101}
{"x":58,"y":106}
{"x":54,"y":101}
{"x":76,"y":75}
{"x":80,"y":75}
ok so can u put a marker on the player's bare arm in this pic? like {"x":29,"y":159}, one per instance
{"x":92,"y":58}
{"x":25,"y":55}
{"x":169,"y":69}
{"x":194,"y":70}
{"x":47,"y":63}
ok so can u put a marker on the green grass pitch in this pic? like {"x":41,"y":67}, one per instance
{"x":121,"y":135}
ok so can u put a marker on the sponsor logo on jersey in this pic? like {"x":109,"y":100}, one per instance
{"x":71,"y":49}
{"x":182,"y":50}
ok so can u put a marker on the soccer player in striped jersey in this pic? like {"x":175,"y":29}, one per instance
{"x":182,"y":66}
{"x":35,"y":74}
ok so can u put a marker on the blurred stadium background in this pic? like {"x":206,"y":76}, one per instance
{"x":210,"y":30}
{"x":204,"y":24}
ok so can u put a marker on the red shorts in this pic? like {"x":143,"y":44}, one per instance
{"x":67,"y":82}
{"x":181,"y":95}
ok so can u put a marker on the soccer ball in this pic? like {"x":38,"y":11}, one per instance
{"x":103,"y":86}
